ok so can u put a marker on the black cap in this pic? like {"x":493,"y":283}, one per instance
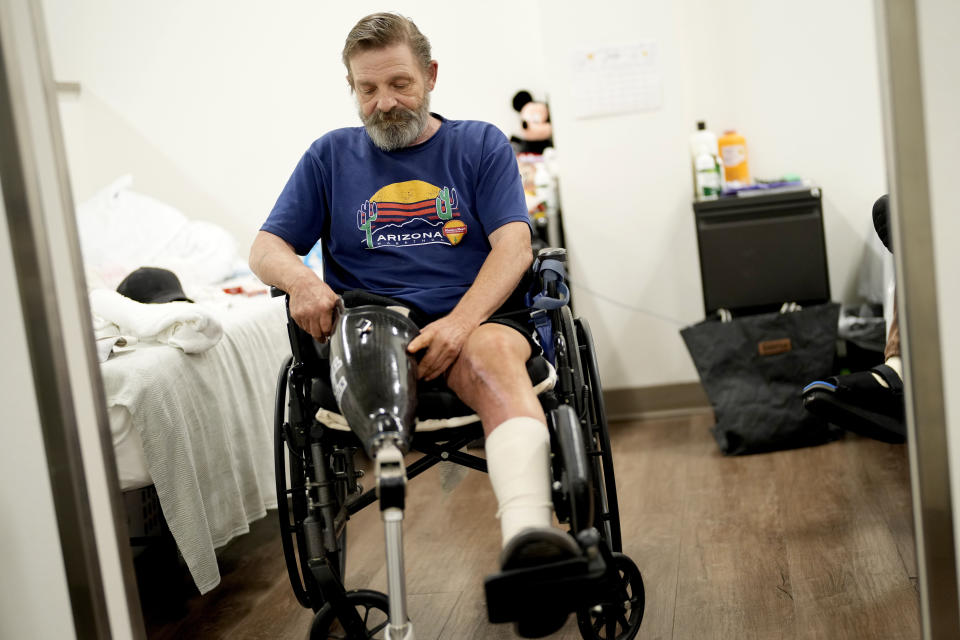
{"x":151,"y":284}
{"x":701,"y":125}
{"x":881,"y":220}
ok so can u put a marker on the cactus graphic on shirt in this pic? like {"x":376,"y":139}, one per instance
{"x":446,"y":203}
{"x":411,"y":213}
{"x":366,"y":216}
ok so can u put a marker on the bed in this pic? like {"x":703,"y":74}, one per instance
{"x":197,"y":426}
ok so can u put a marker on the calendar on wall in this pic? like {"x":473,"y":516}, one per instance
{"x":615,"y":79}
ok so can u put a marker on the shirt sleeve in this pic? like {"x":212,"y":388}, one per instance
{"x":500,"y":197}
{"x":300,"y":212}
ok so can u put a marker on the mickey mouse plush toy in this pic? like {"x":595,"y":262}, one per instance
{"x":537,"y":132}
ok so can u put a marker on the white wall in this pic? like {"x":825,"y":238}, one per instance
{"x":53,"y":225}
{"x":805,"y":91}
{"x":626,"y":191}
{"x":799,"y":81}
{"x":210,"y":104}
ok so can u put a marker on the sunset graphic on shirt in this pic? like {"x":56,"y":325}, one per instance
{"x":411,"y":213}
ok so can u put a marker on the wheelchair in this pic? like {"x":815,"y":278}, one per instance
{"x":319,"y":488}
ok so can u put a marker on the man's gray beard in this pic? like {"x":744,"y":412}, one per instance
{"x":397,"y":128}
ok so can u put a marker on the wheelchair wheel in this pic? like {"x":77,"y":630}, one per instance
{"x":569,"y":332}
{"x":373,"y":608}
{"x":292,"y":507}
{"x":288,"y":528}
{"x":618,"y":615}
{"x":607,"y":517}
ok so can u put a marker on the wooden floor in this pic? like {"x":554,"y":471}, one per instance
{"x":810,"y":543}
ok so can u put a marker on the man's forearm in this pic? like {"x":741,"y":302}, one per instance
{"x":277,"y":264}
{"x":500,"y":274}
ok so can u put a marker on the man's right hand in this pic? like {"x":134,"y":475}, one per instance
{"x":311,"y":306}
{"x":312,"y":302}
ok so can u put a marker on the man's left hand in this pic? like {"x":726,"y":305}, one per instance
{"x":443,"y":339}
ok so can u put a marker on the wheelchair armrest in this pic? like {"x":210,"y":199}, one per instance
{"x":554,"y":253}
{"x":550,"y":288}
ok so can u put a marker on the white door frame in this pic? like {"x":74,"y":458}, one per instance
{"x":39,"y":213}
{"x":906,"y":153}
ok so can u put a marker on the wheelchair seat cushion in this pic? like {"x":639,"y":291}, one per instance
{"x":437,"y":406}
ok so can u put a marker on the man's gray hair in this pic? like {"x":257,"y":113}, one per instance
{"x":379,"y":30}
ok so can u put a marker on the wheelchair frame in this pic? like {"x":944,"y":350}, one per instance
{"x":324,"y":491}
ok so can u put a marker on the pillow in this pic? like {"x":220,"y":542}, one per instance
{"x":121,"y":230}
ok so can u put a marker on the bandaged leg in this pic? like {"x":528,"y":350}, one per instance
{"x":891,"y":352}
{"x":518,"y":461}
{"x":894,"y":363}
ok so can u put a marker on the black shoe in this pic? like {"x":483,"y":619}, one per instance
{"x":532,"y":548}
{"x":858,"y":403}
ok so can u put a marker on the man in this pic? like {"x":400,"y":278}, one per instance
{"x":869,"y":403}
{"x":430,"y":212}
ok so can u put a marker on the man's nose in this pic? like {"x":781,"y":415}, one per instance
{"x":386,"y":103}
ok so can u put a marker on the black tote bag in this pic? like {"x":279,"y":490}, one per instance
{"x":753,"y":369}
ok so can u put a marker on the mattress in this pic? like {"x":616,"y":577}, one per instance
{"x":200,"y":427}
{"x":128,"y":450}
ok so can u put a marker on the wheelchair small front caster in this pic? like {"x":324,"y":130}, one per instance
{"x":617,"y":616}
{"x":372,"y":607}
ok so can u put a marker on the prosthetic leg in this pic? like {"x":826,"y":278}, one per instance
{"x":375,"y":384}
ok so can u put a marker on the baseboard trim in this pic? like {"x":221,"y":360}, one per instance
{"x":659,"y":401}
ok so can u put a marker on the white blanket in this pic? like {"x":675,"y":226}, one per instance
{"x":206,"y":422}
{"x":190,"y":327}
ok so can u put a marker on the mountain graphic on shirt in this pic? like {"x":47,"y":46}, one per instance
{"x":410,"y":213}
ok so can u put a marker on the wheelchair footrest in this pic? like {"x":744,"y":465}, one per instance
{"x":564,"y":586}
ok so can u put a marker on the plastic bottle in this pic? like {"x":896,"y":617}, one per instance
{"x":707,"y":175}
{"x":733,"y":153}
{"x":704,"y":152}
{"x":703,"y":137}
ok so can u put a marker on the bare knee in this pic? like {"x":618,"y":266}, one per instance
{"x":492,"y":352}
{"x":490,"y":375}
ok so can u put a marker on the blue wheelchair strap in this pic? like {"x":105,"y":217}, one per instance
{"x":550,"y":271}
{"x":541,"y":322}
{"x":541,"y":303}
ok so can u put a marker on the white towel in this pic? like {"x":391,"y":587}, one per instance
{"x":108,"y":336}
{"x":184,"y":325}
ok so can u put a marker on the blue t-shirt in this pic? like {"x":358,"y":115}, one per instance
{"x":411,"y":224}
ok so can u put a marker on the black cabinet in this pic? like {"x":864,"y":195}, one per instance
{"x":759,"y":251}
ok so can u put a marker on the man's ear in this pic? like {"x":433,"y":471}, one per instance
{"x":432,"y":75}
{"x":349,"y":82}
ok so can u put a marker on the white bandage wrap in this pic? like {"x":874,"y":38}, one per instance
{"x":896,"y":364}
{"x":518,"y":461}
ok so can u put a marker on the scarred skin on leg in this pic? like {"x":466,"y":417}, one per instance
{"x":490,"y":376}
